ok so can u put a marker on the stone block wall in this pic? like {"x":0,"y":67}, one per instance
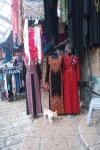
{"x":90,"y":72}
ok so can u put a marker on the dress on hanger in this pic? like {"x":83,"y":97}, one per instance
{"x":54,"y":77}
{"x":33,"y":98}
{"x":35,"y":45}
{"x":77,"y":24}
{"x":71,"y":76}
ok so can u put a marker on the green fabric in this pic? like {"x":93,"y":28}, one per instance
{"x":64,"y":11}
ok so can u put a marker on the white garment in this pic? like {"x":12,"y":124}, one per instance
{"x":26,"y":39}
{"x":38,"y":43}
{"x":13,"y":84}
{"x":5,"y":85}
{"x":59,"y":8}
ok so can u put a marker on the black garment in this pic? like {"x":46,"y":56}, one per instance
{"x":94,"y":24}
{"x":77,"y":24}
{"x":54,"y":78}
{"x":51,"y":19}
{"x":39,"y":72}
{"x":56,"y":83}
{"x":33,"y":94}
{"x":23,"y":72}
{"x":9,"y":85}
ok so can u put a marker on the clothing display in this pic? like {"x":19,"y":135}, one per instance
{"x":11,"y":82}
{"x":94,"y":25}
{"x":20,"y":22}
{"x":41,"y":29}
{"x":37,"y":6}
{"x":62,"y":11}
{"x":26,"y":39}
{"x":35,"y":45}
{"x":54,"y":78}
{"x":33,"y":97}
{"x":14,"y":18}
{"x":77,"y":27}
{"x":51,"y":19}
{"x":71,"y":76}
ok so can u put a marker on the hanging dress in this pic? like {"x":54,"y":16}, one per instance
{"x":33,"y":98}
{"x":71,"y":76}
{"x":54,"y":76}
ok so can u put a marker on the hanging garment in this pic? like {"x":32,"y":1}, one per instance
{"x":37,"y":41}
{"x":13,"y":84}
{"x":20,"y":22}
{"x":94,"y":23}
{"x":9,"y":84}
{"x":35,"y":45}
{"x":37,"y":6}
{"x":54,"y":77}
{"x":17,"y":82}
{"x":33,"y":98}
{"x":51,"y":19}
{"x":77,"y":23}
{"x":44,"y":70}
{"x":5,"y":85}
{"x":71,"y":76}
{"x":62,"y":11}
{"x":26,"y":39}
{"x":14,"y":18}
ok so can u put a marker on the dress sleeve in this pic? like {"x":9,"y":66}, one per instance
{"x":77,"y":69}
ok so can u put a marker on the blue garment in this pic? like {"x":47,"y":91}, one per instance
{"x":8,"y":87}
{"x":15,"y":45}
{"x":17,"y":82}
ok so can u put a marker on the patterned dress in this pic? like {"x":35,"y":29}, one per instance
{"x":54,"y":76}
{"x":33,"y":99}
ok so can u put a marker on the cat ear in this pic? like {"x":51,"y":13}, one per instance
{"x":55,"y":111}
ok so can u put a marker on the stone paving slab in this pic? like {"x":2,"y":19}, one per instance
{"x":21,"y":132}
{"x":59,"y":135}
{"x":90,"y":135}
{"x":14,"y":123}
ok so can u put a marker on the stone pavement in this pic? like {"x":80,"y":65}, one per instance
{"x":21,"y":132}
{"x":89,"y":136}
{"x":13,"y":124}
{"x":61,"y":135}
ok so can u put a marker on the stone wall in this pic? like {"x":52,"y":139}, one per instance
{"x":90,"y":72}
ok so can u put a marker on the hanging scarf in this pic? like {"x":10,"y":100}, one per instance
{"x":33,"y":9}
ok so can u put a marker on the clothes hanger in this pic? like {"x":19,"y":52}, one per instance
{"x":36,"y":23}
{"x":57,"y":47}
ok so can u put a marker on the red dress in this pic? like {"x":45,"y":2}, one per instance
{"x":71,"y":76}
{"x":35,"y":46}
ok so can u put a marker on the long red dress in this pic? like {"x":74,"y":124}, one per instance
{"x":71,"y":76}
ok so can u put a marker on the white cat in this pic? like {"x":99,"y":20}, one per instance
{"x":50,"y":114}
